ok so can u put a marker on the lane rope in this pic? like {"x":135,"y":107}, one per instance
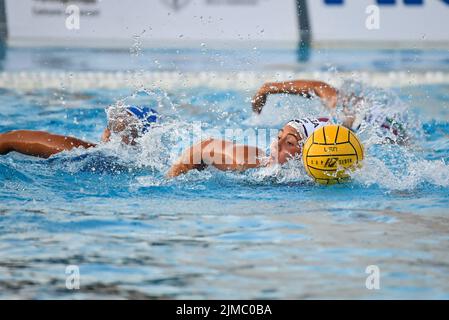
{"x":32,"y":80}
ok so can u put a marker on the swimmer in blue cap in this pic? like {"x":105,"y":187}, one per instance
{"x":128,"y":123}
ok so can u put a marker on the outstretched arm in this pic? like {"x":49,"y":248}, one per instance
{"x":301,"y":87}
{"x":223,"y":155}
{"x":38,"y":143}
{"x":190,"y":159}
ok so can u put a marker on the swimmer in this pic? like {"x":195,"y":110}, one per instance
{"x":226,"y":155}
{"x":356,"y":110}
{"x":129,"y":123}
{"x":229,"y":156}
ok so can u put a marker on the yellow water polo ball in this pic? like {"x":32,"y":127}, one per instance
{"x":330,"y":153}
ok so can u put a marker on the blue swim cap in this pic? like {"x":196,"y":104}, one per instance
{"x":147,"y":116}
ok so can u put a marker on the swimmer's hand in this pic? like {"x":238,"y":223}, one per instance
{"x":3,"y":146}
{"x":259,"y":100}
{"x":38,"y":143}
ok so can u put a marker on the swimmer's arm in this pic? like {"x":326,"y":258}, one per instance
{"x":300,"y":87}
{"x":38,"y":143}
{"x":190,"y":159}
{"x":218,"y":153}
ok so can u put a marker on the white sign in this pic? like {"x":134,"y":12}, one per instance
{"x":370,"y":20}
{"x":157,"y":22}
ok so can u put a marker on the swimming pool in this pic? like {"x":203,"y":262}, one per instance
{"x":259,"y":234}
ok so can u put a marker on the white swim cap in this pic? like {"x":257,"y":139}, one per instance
{"x":306,"y":126}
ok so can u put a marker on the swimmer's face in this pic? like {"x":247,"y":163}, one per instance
{"x":124,"y":126}
{"x":287,"y":146}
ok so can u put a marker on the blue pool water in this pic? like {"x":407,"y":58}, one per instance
{"x":260,"y":234}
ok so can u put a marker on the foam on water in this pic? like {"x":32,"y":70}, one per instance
{"x":414,"y":174}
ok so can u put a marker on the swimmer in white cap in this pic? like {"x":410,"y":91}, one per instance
{"x":356,"y":110}
{"x":127,"y":122}
{"x":227,"y":155}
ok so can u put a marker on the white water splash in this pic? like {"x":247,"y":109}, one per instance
{"x":416,"y":172}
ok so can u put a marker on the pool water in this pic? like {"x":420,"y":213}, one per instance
{"x":262,"y":234}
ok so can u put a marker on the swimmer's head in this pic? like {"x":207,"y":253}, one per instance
{"x":288,"y":144}
{"x":129,"y":122}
